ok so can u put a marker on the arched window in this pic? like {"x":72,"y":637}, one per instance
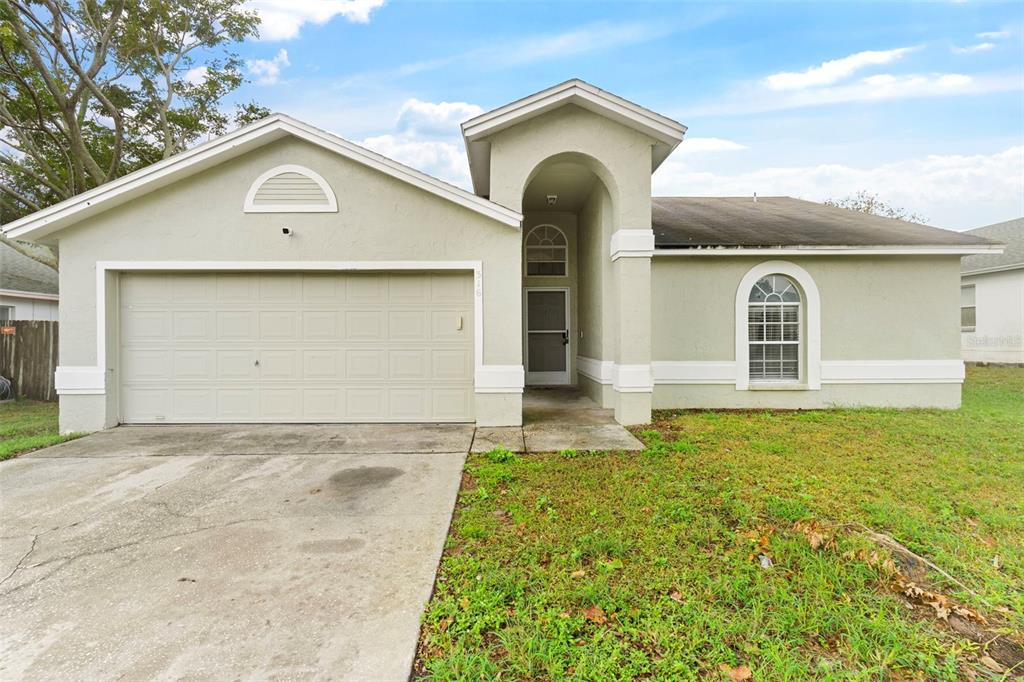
{"x":290,"y":189}
{"x":547,"y":252}
{"x":773,"y":329}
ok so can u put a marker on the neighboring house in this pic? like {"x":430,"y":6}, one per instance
{"x":28,"y":288}
{"x":282,"y":274}
{"x":992,"y":298}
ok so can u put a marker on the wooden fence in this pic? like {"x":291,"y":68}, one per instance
{"x":28,"y":357}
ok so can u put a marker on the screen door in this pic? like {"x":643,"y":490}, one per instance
{"x":547,"y":336}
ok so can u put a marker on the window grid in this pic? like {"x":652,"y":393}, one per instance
{"x":773,"y":330}
{"x":547,"y":252}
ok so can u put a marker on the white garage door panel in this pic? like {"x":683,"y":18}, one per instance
{"x":296,"y":347}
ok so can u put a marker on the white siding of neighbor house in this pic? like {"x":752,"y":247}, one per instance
{"x":30,"y":308}
{"x":998,"y":334}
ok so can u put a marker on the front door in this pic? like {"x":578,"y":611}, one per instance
{"x":547,"y":336}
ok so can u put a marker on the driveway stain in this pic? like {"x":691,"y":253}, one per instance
{"x":359,"y":480}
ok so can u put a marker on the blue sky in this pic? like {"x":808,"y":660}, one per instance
{"x":922,"y":103}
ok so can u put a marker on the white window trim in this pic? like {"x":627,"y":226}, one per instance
{"x":91,"y":380}
{"x":966,"y":329}
{"x":811,"y":375}
{"x":249,"y":206}
{"x":526,"y":248}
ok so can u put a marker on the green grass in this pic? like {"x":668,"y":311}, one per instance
{"x":27,"y":425}
{"x":611,"y":566}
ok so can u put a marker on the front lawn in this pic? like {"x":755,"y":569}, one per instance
{"x":28,"y":425}
{"x":739,"y":546}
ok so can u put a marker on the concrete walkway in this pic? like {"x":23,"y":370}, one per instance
{"x":223,"y":552}
{"x":556,"y":419}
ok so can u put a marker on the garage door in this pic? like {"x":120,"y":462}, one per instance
{"x":296,"y":347}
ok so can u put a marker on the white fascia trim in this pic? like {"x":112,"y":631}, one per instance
{"x":14,"y":293}
{"x":632,"y":244}
{"x":833,"y":251}
{"x":499,"y":379}
{"x":80,"y":380}
{"x":986,"y":271}
{"x":103,"y":267}
{"x":580,"y":92}
{"x":892,"y":371}
{"x":810,"y":301}
{"x":237,"y":142}
{"x":694,"y":372}
{"x":249,"y":205}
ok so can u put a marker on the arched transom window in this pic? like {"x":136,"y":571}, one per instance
{"x":547,"y":252}
{"x":773,"y":329}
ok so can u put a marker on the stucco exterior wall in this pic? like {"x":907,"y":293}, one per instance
{"x":998,"y":334}
{"x":200,"y":218}
{"x":884,"y":320}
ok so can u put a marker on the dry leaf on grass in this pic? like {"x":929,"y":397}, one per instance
{"x":737,"y":674}
{"x":595,"y":614}
{"x":676,"y":595}
{"x":578,"y":574}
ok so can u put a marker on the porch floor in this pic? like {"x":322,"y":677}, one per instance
{"x":555,"y":419}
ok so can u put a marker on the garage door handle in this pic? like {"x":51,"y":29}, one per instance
{"x":257,"y":363}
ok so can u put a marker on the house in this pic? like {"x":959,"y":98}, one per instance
{"x":28,"y":288}
{"x":992,"y":298}
{"x":282,"y":274}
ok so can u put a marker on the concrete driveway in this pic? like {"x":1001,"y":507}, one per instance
{"x":273,"y":552}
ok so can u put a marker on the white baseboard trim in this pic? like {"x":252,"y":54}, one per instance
{"x":892,"y":371}
{"x":80,"y":381}
{"x":499,"y":379}
{"x":632,"y":379}
{"x":832,"y":371}
{"x":632,"y":244}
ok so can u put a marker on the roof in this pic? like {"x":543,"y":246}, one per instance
{"x":1010,"y":233}
{"x":666,"y":132}
{"x":231,"y":145}
{"x":720,"y":223}
{"x":18,"y":272}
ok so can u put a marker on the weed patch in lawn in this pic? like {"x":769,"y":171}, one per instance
{"x":648,"y":566}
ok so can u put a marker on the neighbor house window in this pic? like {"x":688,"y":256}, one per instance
{"x":968,"y":311}
{"x":6,"y":313}
{"x":547,"y":252}
{"x":773,"y":329}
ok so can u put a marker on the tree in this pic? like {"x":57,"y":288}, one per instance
{"x":93,"y":89}
{"x":866,"y":202}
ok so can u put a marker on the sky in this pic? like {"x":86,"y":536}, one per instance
{"x":921,"y":103}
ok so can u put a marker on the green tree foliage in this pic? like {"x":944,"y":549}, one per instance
{"x":93,"y":89}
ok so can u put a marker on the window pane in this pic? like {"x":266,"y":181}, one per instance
{"x":968,"y":316}
{"x":967,"y":295}
{"x":791,"y":332}
{"x":790,"y":352}
{"x":546,"y":269}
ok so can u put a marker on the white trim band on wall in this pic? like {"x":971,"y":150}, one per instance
{"x":665,"y":373}
{"x":79,"y":381}
{"x":632,"y":244}
{"x":499,"y":379}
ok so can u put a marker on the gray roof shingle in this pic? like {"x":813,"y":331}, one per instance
{"x":18,"y":272}
{"x":695,"y":222}
{"x":1010,"y":233}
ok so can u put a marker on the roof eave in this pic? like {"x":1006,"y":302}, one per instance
{"x":42,"y":223}
{"x":830,"y":250}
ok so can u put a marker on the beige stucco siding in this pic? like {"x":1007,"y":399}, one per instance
{"x":872,"y":308}
{"x":200,"y":218}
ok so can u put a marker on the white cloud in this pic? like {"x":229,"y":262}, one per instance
{"x":441,"y":118}
{"x":707,"y":145}
{"x":196,"y":76}
{"x":442,"y":159}
{"x":832,"y":71}
{"x":268,"y":71}
{"x":992,"y":35}
{"x":970,"y":49}
{"x":283,"y":19}
{"x":954,"y":191}
{"x":875,"y":88}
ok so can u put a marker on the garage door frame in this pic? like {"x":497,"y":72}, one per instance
{"x":92,"y":378}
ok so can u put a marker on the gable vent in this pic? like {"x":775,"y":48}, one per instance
{"x":290,"y":189}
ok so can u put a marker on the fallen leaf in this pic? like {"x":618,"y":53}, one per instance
{"x":991,"y":664}
{"x":443,"y":624}
{"x":578,"y":574}
{"x":676,"y":595}
{"x":737,"y":674}
{"x":595,"y":614}
{"x":464,"y":603}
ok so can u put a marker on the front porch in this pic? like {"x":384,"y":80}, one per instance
{"x":556,"y":419}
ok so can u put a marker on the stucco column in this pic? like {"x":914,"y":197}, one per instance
{"x":631,"y":272}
